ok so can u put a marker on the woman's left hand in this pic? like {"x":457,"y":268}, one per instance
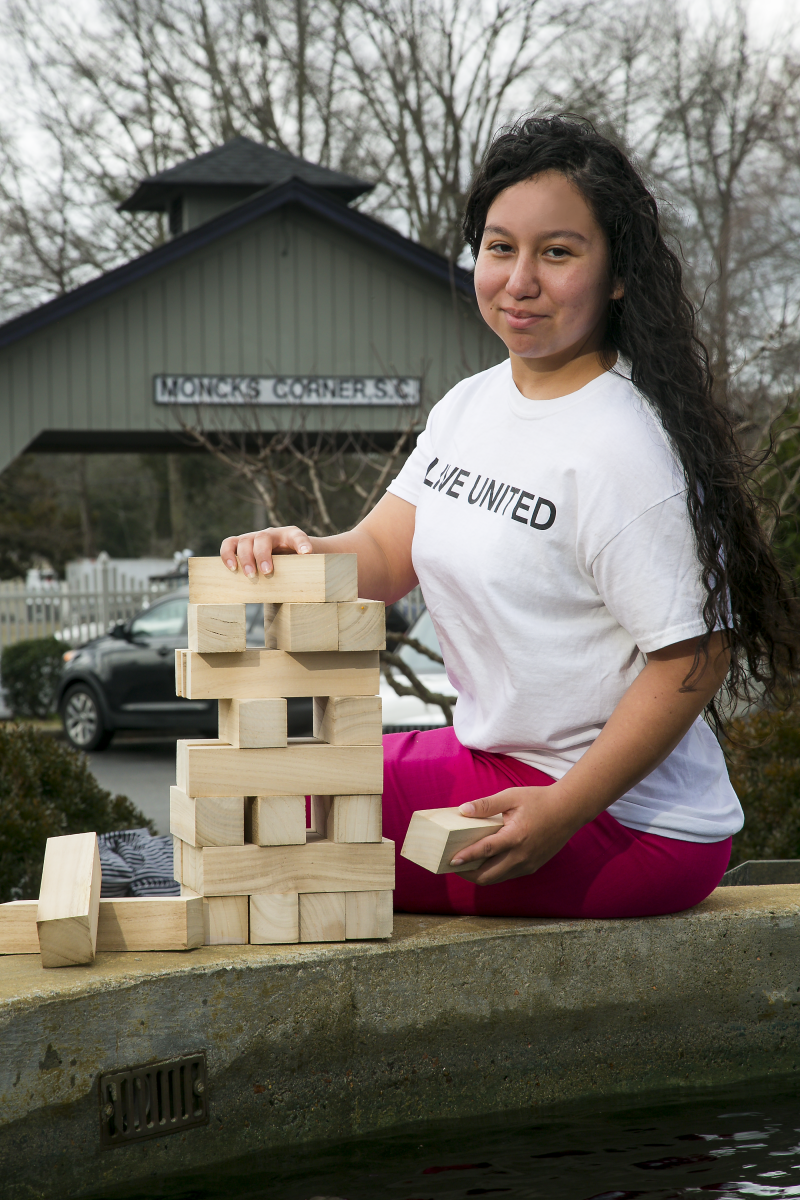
{"x":535,"y":828}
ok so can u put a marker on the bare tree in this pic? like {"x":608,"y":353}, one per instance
{"x":715,"y":121}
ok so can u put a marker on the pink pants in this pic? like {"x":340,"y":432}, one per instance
{"x":605,"y":869}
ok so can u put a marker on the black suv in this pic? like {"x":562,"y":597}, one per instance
{"x":126,"y":680}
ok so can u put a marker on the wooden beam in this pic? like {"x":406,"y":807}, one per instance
{"x":301,"y":578}
{"x":319,"y":807}
{"x":274,"y":919}
{"x":124,"y":923}
{"x":348,"y":720}
{"x":226,"y":920}
{"x":253,"y":724}
{"x":368,"y":915}
{"x":322,"y":917}
{"x":256,"y":674}
{"x":207,"y":821}
{"x":150,"y":923}
{"x":181,"y":759}
{"x":180,"y":672}
{"x":317,"y":866}
{"x":304,"y":766}
{"x":362,"y":625}
{"x":275,"y":820}
{"x":217,"y":628}
{"x":436,"y":834}
{"x":354,"y":819}
{"x":69,"y":900}
{"x":301,"y":627}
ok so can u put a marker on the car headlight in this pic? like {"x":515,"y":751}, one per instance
{"x":68,"y":655}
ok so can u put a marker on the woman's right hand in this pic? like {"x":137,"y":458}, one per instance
{"x":253,"y":551}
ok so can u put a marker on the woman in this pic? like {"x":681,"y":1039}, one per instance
{"x":579,"y":521}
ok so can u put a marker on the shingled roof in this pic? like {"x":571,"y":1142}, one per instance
{"x":241,"y":163}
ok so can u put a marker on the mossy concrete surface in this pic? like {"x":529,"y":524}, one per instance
{"x":453,"y":1016}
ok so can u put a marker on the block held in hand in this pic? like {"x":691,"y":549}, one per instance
{"x":435,"y":835}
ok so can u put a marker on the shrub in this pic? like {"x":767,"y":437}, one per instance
{"x":46,"y":789}
{"x":765,"y":773}
{"x":30,"y":671}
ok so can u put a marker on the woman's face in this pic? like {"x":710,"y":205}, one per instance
{"x":542,"y":273}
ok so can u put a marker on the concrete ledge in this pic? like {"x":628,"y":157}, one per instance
{"x":453,"y":1016}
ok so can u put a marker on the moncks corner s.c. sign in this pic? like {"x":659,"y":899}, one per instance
{"x":286,"y":389}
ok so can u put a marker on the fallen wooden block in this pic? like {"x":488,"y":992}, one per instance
{"x":207,"y":821}
{"x":355,"y":819}
{"x":303,"y":766}
{"x":150,"y":923}
{"x":253,"y":724}
{"x":124,"y":923}
{"x":435,"y":835}
{"x":300,"y":578}
{"x":226,"y":920}
{"x":217,"y":628}
{"x":69,"y":900}
{"x":274,"y":919}
{"x":316,"y":866}
{"x":368,"y":915}
{"x":348,"y":720}
{"x":301,"y":627}
{"x":322,"y":917}
{"x":18,"y":933}
{"x":257,"y":674}
{"x":275,"y":820}
{"x":362,"y":625}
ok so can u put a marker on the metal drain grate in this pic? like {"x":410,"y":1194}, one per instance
{"x":153,"y":1101}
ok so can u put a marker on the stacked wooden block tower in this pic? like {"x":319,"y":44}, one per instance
{"x":250,"y":870}
{"x":238,"y":813}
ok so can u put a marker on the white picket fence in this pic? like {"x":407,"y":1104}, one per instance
{"x":74,"y":614}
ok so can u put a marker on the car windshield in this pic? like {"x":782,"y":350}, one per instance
{"x":422,"y":631}
{"x":162,"y":620}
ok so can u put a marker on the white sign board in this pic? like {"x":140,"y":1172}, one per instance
{"x":286,"y":389}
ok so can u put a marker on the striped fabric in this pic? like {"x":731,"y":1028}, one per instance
{"x":135,"y":864}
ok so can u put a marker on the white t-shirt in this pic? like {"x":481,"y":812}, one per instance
{"x":554,"y":551}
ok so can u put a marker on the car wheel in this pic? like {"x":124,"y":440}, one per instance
{"x":83,"y":721}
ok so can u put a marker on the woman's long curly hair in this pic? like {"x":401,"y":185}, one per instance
{"x":653,"y":327}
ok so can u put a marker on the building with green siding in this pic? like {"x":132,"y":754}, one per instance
{"x":274,"y":304}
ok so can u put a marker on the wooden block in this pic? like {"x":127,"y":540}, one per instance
{"x":301,"y":627}
{"x":354,"y":819}
{"x":296,"y":578}
{"x":226,"y":920}
{"x":362,"y":625}
{"x":124,"y":923}
{"x":217,"y":628}
{"x":319,"y":807}
{"x":349,"y":720}
{"x":150,"y":923}
{"x":368,"y":915}
{"x":304,"y":766}
{"x":436,"y":834}
{"x":69,"y":900}
{"x":274,"y":919}
{"x":253,"y":724}
{"x":317,"y":866}
{"x":180,"y":672}
{"x":208,"y":821}
{"x":260,"y":673}
{"x":18,"y":933}
{"x":322,"y":917}
{"x":275,"y":820}
{"x":181,"y":759}
{"x":177,"y":859}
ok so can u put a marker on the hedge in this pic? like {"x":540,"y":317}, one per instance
{"x":30,"y":671}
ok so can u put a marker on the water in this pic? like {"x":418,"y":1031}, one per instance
{"x":741,"y":1142}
